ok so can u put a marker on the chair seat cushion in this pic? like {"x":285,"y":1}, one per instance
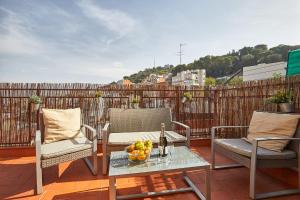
{"x":63,"y":147}
{"x":129,"y":138}
{"x":244,"y":148}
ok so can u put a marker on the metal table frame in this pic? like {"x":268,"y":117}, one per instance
{"x":191,"y":186}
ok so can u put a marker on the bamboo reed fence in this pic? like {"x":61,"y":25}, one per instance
{"x":220,"y":105}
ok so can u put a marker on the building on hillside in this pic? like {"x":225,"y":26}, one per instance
{"x":201,"y":77}
{"x":190,"y":78}
{"x":168,"y":78}
{"x":124,"y":82}
{"x":154,"y":79}
{"x":264,"y":71}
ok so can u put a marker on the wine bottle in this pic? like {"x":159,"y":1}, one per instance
{"x":162,"y":145}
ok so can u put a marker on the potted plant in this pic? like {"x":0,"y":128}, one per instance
{"x":187,"y":96}
{"x":98,"y":95}
{"x":284,"y":99}
{"x":135,"y":102}
{"x":36,"y":100}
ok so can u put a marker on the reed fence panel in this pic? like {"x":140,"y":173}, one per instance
{"x":222,"y":105}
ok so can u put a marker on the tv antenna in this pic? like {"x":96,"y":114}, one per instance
{"x":180,"y":53}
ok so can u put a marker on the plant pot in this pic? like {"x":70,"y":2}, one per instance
{"x":286,"y":107}
{"x":36,"y":107}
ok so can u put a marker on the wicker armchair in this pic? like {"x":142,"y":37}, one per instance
{"x":128,"y":125}
{"x":51,"y":154}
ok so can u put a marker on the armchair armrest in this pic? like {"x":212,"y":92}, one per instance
{"x":255,"y":142}
{"x":105,"y":132}
{"x":38,"y":145}
{"x":38,"y":137}
{"x":214,"y":128}
{"x":276,"y":138}
{"x":180,"y":124}
{"x":106,"y":126}
{"x":94,"y":132}
{"x":187,"y":131}
{"x":94,"y":136}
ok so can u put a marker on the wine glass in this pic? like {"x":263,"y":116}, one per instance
{"x":171,"y":150}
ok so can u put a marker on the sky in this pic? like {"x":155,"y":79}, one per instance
{"x":101,"y":41}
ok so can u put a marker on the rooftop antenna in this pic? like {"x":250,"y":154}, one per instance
{"x":154,"y":63}
{"x":180,"y":53}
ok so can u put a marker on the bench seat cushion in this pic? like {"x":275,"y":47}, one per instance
{"x":244,"y":148}
{"x":63,"y":147}
{"x":129,"y":138}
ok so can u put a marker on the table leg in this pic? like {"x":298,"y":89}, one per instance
{"x":112,"y":188}
{"x":207,"y":184}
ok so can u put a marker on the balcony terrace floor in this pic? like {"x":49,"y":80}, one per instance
{"x":17,"y":181}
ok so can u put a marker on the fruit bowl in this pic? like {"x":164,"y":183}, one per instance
{"x":139,"y":152}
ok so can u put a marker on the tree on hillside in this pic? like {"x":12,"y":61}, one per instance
{"x":236,"y":81}
{"x":218,"y":66}
{"x":177,"y":69}
{"x":275,"y":57}
{"x":210,"y":81}
{"x":248,"y":60}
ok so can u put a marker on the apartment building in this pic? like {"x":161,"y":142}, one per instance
{"x":190,"y":78}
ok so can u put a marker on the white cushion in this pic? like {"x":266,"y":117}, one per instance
{"x":61,"y":124}
{"x":63,"y":147}
{"x":244,"y":148}
{"x":265,"y":125}
{"x":129,"y":138}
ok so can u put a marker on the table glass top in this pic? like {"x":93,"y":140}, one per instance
{"x":179,"y":158}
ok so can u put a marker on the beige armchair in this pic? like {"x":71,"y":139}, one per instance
{"x":252,"y":156}
{"x":125,"y":126}
{"x":51,"y":154}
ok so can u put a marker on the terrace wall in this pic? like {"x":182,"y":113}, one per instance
{"x":210,"y":106}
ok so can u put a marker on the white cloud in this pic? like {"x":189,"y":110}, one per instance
{"x":92,"y":68}
{"x":15,"y":37}
{"x":114,"y":20}
{"x":117,"y":64}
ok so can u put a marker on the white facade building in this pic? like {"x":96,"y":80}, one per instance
{"x":190,"y":78}
{"x":264,"y":71}
{"x":201,"y":77}
{"x":154,"y":79}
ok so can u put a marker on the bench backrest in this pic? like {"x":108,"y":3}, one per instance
{"x":139,"y":120}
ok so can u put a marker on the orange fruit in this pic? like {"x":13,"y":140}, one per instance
{"x":141,"y":157}
{"x":132,"y":157}
{"x":135,"y":152}
{"x":147,"y":151}
{"x":141,"y":152}
{"x":131,"y":147}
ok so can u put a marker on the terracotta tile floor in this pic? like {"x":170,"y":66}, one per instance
{"x":17,"y":181}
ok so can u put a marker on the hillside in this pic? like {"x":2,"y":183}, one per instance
{"x":218,"y":66}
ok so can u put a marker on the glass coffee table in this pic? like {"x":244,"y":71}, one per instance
{"x":181,"y":160}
